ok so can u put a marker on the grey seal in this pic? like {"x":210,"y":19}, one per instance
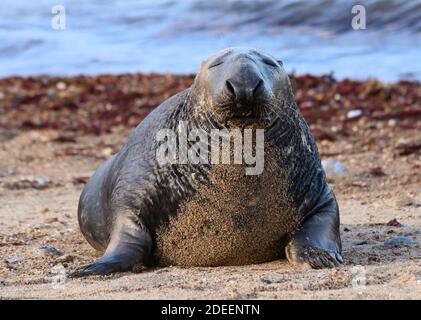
{"x":140,"y":212}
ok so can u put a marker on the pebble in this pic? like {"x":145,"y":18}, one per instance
{"x":61,"y":85}
{"x":51,"y":220}
{"x":205,"y":282}
{"x":15,"y":260}
{"x":334,"y":168}
{"x":161,"y":270}
{"x":396,"y":241}
{"x":361,"y":243}
{"x":51,"y":251}
{"x":41,"y":182}
{"x":66,"y":258}
{"x":106,"y":152}
{"x":30,"y":182}
{"x":403,"y":201}
{"x":354,"y":113}
{"x":394,"y":223}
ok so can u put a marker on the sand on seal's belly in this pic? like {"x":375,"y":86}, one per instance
{"x":235,"y":219}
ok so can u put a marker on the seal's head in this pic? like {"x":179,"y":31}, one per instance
{"x":241,"y":85}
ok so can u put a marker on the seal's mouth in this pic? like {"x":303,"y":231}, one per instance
{"x":240,"y":121}
{"x":250,"y":118}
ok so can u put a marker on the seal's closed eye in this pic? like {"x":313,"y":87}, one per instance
{"x":269,"y":62}
{"x":219,"y":60}
{"x":215,"y":63}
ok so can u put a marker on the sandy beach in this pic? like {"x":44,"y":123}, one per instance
{"x":54,"y":132}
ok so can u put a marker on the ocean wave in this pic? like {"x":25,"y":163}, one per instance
{"x":165,"y":35}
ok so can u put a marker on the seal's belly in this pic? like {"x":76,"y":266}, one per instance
{"x":233,"y":220}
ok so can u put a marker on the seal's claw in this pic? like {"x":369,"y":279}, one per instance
{"x":314,"y":257}
{"x":339,"y":258}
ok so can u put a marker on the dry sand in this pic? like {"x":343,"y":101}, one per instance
{"x":31,"y":218}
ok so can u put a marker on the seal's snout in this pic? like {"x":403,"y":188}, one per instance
{"x":240,"y":83}
{"x":244,"y":92}
{"x":244,"y":89}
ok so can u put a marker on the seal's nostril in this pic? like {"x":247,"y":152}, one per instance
{"x":230,"y":87}
{"x":258,"y":88}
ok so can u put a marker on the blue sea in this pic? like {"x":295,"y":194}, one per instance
{"x":120,"y":36}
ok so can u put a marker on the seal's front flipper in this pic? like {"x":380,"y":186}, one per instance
{"x":130,"y":244}
{"x":314,"y":257}
{"x":318,"y":243}
{"x":105,"y":265}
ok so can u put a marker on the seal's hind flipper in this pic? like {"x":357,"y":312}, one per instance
{"x":130,"y":245}
{"x":102,"y":266}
